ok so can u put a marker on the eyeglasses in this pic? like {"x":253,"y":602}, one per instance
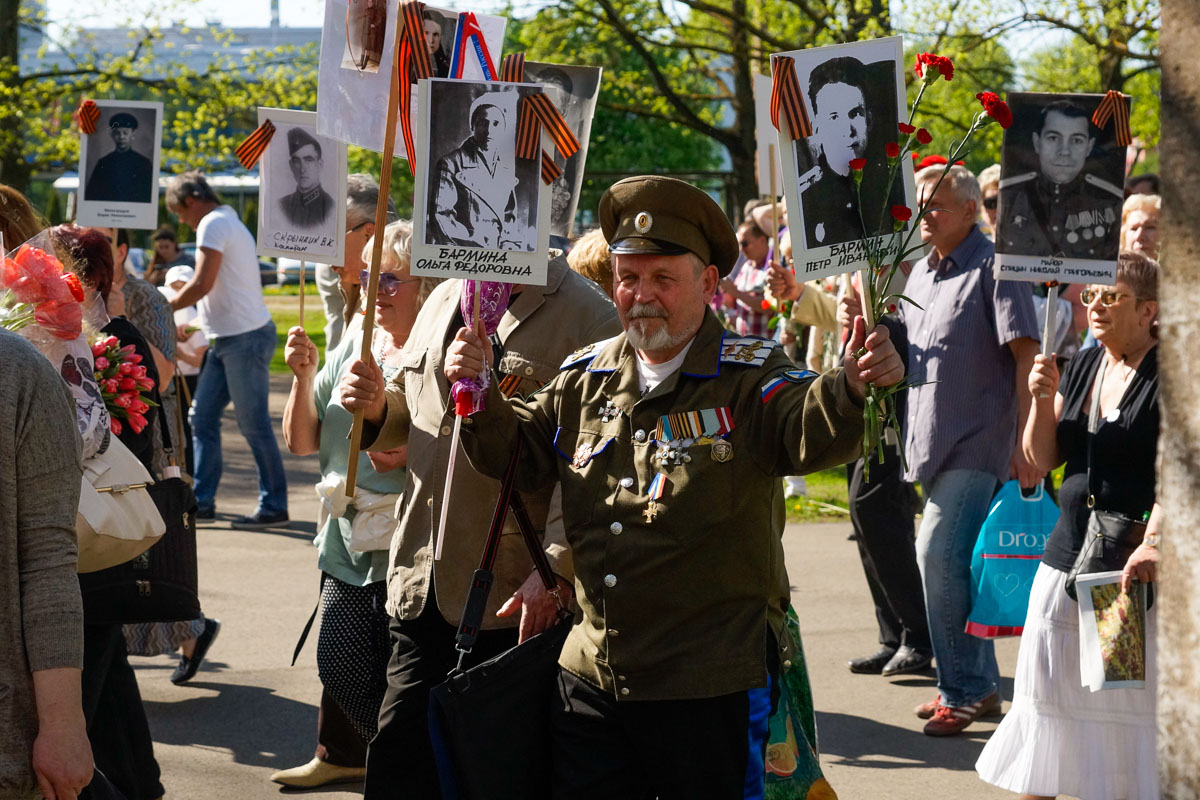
{"x":1107,"y":297}
{"x":356,"y":227}
{"x":990,"y":203}
{"x":389,"y":284}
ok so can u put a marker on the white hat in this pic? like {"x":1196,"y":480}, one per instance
{"x":180,"y":273}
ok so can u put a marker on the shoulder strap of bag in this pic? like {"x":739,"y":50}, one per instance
{"x":481,"y":582}
{"x":1093,"y":426}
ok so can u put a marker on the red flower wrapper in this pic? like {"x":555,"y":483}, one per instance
{"x":493,"y":302}
{"x":34,"y":289}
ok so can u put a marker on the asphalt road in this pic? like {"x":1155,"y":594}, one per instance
{"x":248,"y":713}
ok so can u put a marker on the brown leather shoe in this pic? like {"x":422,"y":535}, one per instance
{"x":949,"y":720}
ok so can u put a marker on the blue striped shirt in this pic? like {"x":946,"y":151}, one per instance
{"x":965,"y":417}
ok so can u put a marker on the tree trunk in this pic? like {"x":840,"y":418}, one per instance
{"x":1179,"y":479}
{"x":14,"y":171}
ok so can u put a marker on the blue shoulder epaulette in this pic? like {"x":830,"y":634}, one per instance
{"x":749,"y":351}
{"x":584,"y":354}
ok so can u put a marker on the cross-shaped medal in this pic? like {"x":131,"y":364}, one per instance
{"x":651,"y":512}
{"x":608,"y":411}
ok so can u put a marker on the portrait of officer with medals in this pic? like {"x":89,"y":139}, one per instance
{"x":1061,"y":181}
{"x":124,"y":174}
{"x":309,"y":206}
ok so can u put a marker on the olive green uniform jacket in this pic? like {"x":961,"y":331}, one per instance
{"x":543,"y":325}
{"x":688,"y":604}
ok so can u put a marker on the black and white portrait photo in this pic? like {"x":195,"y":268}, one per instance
{"x":574,"y":91}
{"x":302,"y":175}
{"x":351,"y":99}
{"x":480,"y":194}
{"x":473,"y":193}
{"x":118,"y":165}
{"x":855,"y":98}
{"x":1061,"y":190}
{"x":366,"y":29}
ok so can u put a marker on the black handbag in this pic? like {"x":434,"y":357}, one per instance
{"x":490,"y":724}
{"x":160,"y":585}
{"x":1111,"y":536}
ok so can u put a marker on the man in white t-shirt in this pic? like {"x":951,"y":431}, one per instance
{"x":227,"y":290}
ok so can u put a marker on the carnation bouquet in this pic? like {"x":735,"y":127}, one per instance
{"x":878,"y":297}
{"x":123,"y":384}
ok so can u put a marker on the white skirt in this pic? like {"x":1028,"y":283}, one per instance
{"x":1059,"y":737}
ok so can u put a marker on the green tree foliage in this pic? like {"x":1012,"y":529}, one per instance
{"x":688,"y":66}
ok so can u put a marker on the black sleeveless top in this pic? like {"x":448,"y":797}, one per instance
{"x":1123,"y":454}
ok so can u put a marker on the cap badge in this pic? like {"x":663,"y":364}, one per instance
{"x":642,"y":222}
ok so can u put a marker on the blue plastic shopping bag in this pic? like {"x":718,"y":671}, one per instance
{"x":1006,"y":557}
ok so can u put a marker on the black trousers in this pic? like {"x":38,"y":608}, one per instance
{"x":337,"y":740}
{"x":116,"y":721}
{"x":881,"y":512}
{"x":400,"y":763}
{"x":665,"y":749}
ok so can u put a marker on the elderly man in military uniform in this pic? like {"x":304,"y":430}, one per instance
{"x":1058,"y":211}
{"x":474,"y":199}
{"x":123,"y":175}
{"x":310,"y":205}
{"x":670,"y":441}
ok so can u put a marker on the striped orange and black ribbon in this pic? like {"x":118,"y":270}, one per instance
{"x":512,"y":70}
{"x":250,"y":151}
{"x":1115,"y":107}
{"x":550,"y":169}
{"x":785,"y":95}
{"x":414,"y":65}
{"x":533,"y":112}
{"x":564,"y":140}
{"x":89,"y":115}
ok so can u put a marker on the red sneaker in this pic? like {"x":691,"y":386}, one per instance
{"x":926,"y":710}
{"x":948,"y":720}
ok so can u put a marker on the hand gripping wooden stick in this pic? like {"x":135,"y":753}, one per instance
{"x":385,"y":181}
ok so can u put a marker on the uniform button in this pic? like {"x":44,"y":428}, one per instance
{"x":610,"y":580}
{"x":446,"y":430}
{"x":616,"y":528}
{"x":625,"y":690}
{"x":639,"y":436}
{"x":626,"y":482}
{"x":613,"y":632}
{"x":429,"y":502}
{"x":620,"y":677}
{"x":787,"y":665}
{"x":529,"y":370}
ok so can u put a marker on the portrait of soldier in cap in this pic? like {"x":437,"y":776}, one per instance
{"x":846,"y":125}
{"x":474,"y":189}
{"x":124,"y":174}
{"x":310,"y":205}
{"x":1069,"y":206}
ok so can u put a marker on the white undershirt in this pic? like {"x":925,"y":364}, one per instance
{"x":651,"y":375}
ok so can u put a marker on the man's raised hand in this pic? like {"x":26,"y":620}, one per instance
{"x":880,"y":364}
{"x":467,"y":356}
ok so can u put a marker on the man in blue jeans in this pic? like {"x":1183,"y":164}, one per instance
{"x":228,"y":292}
{"x":972,"y":340}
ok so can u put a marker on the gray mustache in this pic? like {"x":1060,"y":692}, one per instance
{"x":646,"y":310}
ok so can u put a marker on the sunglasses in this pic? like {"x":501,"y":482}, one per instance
{"x":1108,"y":297}
{"x":990,"y":203}
{"x":389,"y":284}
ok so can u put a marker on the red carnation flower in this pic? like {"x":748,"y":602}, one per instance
{"x":916,"y":157}
{"x":944,"y":67}
{"x":906,"y":129}
{"x":901,"y":213}
{"x":892,"y":307}
{"x":924,"y":137}
{"x":995,"y":108}
{"x":858,"y":163}
{"x":766,"y":305}
{"x":892,"y":150}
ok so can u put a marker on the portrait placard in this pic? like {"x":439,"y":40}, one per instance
{"x":479,"y":211}
{"x":1061,"y":189}
{"x":574,"y":91}
{"x":766,"y":136}
{"x":302,"y":190}
{"x":855,"y":97}
{"x":118,"y":166}
{"x":356,"y":65}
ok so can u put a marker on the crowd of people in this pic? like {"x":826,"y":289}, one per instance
{"x":662,"y":315}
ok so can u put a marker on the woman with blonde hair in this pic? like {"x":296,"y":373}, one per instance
{"x":1139,"y":224}
{"x":352,"y":537}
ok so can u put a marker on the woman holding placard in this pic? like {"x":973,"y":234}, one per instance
{"x":1060,"y":737}
{"x":353,"y":646}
